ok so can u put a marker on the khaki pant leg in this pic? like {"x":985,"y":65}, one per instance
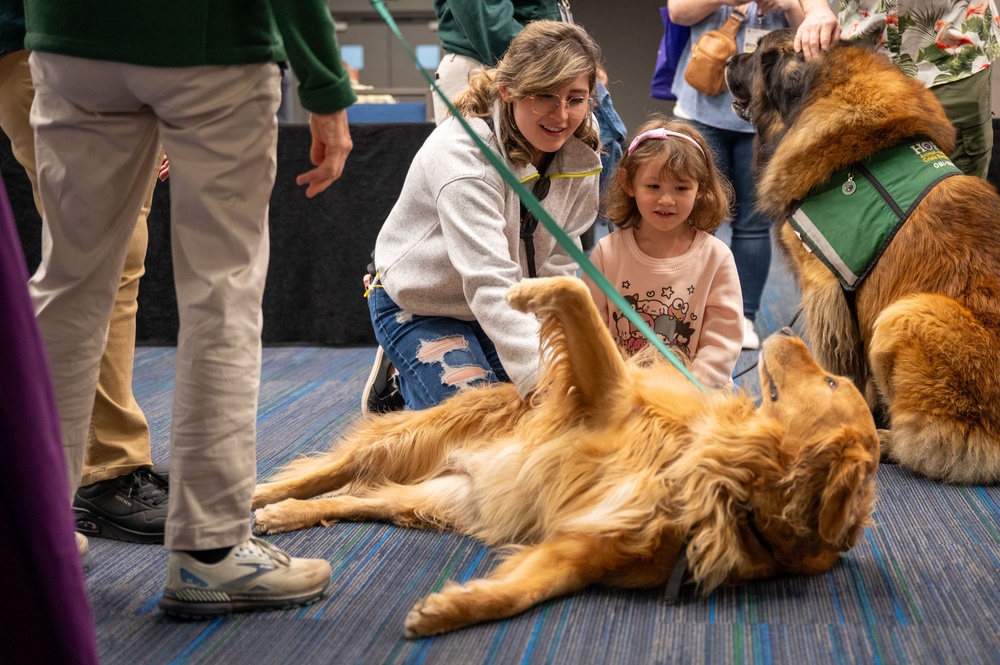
{"x":96,"y":148}
{"x":219,"y":127}
{"x":119,"y":434}
{"x":452,"y":78}
{"x":16,"y":94}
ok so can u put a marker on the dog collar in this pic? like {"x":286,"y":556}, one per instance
{"x":849,"y":220}
{"x":677,"y":575}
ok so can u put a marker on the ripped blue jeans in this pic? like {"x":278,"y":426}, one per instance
{"x":435,"y":356}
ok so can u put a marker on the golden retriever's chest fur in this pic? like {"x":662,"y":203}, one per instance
{"x":589,"y":478}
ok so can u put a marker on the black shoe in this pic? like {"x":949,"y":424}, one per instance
{"x":132,"y":508}
{"x":381,"y":394}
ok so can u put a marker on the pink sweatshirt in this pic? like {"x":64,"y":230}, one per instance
{"x":692,"y":301}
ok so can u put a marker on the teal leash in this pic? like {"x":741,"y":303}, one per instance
{"x":543,"y":217}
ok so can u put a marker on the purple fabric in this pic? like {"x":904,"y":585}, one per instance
{"x":43,"y":600}
{"x":675,"y":39}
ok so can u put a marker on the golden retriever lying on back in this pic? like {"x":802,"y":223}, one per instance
{"x":606,"y":474}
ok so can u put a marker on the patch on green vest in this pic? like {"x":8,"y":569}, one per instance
{"x":849,"y":220}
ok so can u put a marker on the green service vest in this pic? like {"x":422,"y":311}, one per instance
{"x":849,"y":220}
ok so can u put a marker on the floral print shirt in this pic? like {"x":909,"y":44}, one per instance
{"x":933,"y":41}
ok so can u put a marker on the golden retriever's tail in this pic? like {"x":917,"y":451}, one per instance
{"x":579,"y":357}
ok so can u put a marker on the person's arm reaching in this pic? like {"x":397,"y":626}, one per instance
{"x":818,"y":29}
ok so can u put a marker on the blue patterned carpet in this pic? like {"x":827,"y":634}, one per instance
{"x":921,"y":586}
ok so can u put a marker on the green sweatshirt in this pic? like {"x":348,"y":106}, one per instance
{"x":188,"y":33}
{"x":483,"y":29}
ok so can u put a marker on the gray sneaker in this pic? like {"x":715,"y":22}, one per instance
{"x":254,"y":576}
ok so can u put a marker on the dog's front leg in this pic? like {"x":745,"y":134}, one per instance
{"x":524,"y":579}
{"x":575,"y":336}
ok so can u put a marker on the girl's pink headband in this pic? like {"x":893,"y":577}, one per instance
{"x":660,"y":133}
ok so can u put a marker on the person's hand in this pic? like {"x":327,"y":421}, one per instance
{"x":818,"y":30}
{"x":164,"y":169}
{"x":331,"y":143}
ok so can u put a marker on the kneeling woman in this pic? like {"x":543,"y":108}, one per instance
{"x":451,"y":247}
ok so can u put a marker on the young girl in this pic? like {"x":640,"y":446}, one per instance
{"x":452,"y":245}
{"x":666,"y":200}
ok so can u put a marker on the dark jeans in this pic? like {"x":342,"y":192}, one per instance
{"x":751,"y":242}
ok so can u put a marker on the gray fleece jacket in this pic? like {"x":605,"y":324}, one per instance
{"x":451,"y":244}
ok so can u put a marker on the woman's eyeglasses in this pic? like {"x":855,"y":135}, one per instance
{"x":548,"y":104}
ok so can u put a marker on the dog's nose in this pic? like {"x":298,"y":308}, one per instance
{"x":788,"y":331}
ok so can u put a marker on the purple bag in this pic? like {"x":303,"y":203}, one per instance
{"x":675,"y":39}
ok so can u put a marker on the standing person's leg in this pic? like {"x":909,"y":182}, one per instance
{"x":119,"y":435}
{"x":83,"y":115}
{"x":613,"y":133}
{"x":751,"y":243}
{"x":120,"y":497}
{"x":452,"y":77}
{"x":16,"y":93}
{"x":119,"y":438}
{"x":751,"y":235}
{"x":219,"y":128}
{"x":967,"y":104}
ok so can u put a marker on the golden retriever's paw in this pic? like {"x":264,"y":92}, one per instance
{"x":264,"y":494}
{"x":278,"y":517}
{"x":436,"y":613}
{"x":535,"y":295}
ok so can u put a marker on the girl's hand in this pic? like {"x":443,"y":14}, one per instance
{"x":164,"y":169}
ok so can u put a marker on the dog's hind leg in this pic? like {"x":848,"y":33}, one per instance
{"x":403,"y":447}
{"x":937,"y":367}
{"x":525,"y":578}
{"x":582,"y":360}
{"x":436,"y":503}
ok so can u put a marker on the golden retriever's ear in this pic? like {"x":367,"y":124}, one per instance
{"x":710,"y":481}
{"x":837,"y":471}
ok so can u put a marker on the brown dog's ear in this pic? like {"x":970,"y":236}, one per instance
{"x":837,"y":471}
{"x":709,"y":482}
{"x":838,"y":508}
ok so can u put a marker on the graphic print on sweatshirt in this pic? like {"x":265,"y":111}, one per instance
{"x":668,"y":313}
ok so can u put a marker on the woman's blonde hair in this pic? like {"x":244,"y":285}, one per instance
{"x":681,"y":159}
{"x":545,"y":56}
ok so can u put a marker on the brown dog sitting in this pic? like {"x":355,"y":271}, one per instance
{"x":919,"y":331}
{"x":607,"y":474}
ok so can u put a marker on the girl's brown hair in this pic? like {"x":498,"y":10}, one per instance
{"x":681,"y":159}
{"x":545,"y":56}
